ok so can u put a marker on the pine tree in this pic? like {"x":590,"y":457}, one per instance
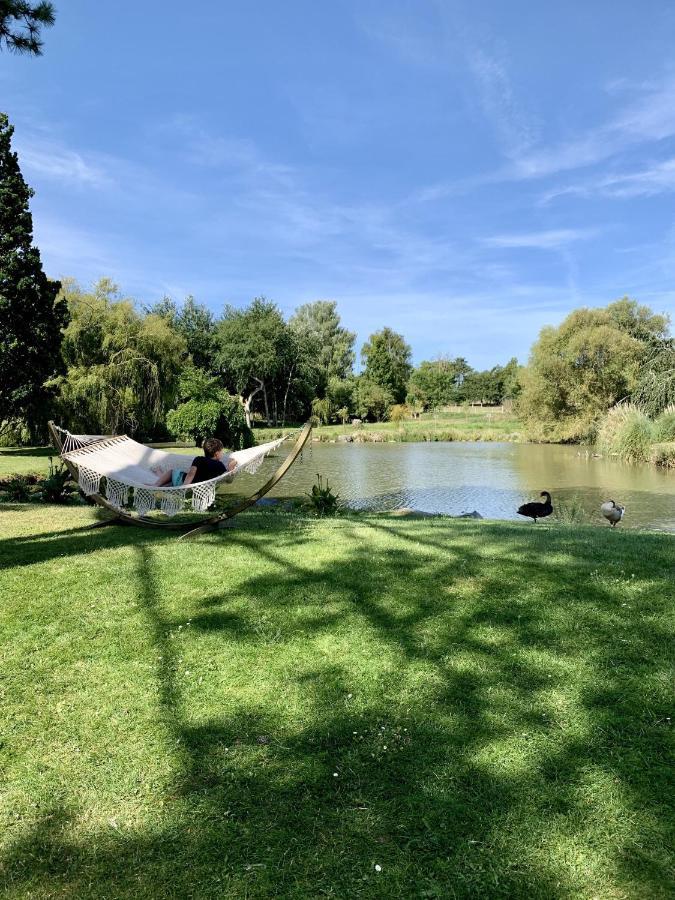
{"x":31,"y":318}
{"x":20,"y":24}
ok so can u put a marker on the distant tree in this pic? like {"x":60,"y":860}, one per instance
{"x":196,"y":324}
{"x":122,"y":368}
{"x":251,"y":344}
{"x":334,"y":344}
{"x":386,"y":357}
{"x":580,"y":369}
{"x":340,"y":392}
{"x":31,"y":317}
{"x":20,"y":24}
{"x":438,"y":382}
{"x":321,"y":409}
{"x":493,"y":386}
{"x":371,"y":400}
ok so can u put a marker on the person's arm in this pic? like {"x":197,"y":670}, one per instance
{"x":192,"y":471}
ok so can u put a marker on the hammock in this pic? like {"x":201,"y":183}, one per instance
{"x":124,"y":472}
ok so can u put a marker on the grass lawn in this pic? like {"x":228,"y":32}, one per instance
{"x":458,"y":424}
{"x":277,"y":710}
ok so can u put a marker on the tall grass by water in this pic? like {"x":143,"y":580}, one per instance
{"x":628,"y":432}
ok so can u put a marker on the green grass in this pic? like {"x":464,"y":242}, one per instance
{"x":480,"y":709}
{"x":466,"y":424}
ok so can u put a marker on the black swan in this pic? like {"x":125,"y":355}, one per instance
{"x":612,"y":512}
{"x":537,"y":510}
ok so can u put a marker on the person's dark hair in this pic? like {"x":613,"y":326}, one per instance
{"x":211,"y":446}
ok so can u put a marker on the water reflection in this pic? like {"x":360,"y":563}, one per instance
{"x":489,"y":477}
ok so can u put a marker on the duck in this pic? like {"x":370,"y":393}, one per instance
{"x":537,"y":510}
{"x":612,"y":512}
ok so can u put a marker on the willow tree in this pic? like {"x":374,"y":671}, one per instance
{"x":122,"y":367}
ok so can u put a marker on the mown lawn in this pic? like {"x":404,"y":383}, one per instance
{"x":277,"y":710}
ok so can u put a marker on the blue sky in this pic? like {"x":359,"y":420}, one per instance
{"x":464,"y":172}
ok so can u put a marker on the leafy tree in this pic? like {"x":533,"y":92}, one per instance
{"x":340,"y":393}
{"x":371,"y":400}
{"x":580,"y":369}
{"x":321,"y":410}
{"x":386,"y":358}
{"x":20,"y":24}
{"x":197,"y":326}
{"x":31,"y":317}
{"x":494,"y":385}
{"x":122,"y":368}
{"x":263,"y":360}
{"x":334,"y":344}
{"x":207,"y":410}
{"x":250,"y":345}
{"x":438,"y":382}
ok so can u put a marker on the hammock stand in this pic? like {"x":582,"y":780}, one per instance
{"x":213,"y":522}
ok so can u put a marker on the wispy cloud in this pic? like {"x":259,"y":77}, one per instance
{"x":499,"y":102}
{"x":541,"y":240}
{"x":647,"y":119}
{"x":655,"y":179}
{"x":59,"y":163}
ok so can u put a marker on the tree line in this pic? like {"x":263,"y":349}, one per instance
{"x":100,"y":363}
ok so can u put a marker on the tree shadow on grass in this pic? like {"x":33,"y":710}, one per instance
{"x":505,"y":743}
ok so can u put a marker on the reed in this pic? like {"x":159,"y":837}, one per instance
{"x":664,"y":427}
{"x":627,"y":432}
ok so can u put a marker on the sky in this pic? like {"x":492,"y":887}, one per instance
{"x":462,"y":172}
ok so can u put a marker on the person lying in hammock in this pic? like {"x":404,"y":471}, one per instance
{"x":203,"y":468}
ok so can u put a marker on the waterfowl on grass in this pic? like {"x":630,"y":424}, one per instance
{"x":612,"y":512}
{"x":536,"y":510}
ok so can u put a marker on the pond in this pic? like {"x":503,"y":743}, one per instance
{"x":492,"y":478}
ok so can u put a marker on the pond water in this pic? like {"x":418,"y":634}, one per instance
{"x":492,"y":478}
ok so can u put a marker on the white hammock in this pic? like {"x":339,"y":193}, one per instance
{"x":114,"y":466}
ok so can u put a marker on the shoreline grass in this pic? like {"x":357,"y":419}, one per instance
{"x":474,"y":424}
{"x":478,"y":708}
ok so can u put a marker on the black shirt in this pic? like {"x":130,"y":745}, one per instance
{"x":207,"y":468}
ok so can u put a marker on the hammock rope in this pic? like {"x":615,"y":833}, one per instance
{"x":124,"y":472}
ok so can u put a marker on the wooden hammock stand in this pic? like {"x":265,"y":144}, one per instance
{"x":212,"y":523}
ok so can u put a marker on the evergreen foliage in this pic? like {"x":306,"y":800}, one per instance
{"x":31,"y":318}
{"x":21,"y":23}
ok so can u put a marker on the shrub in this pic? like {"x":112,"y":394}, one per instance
{"x":626,"y":431}
{"x":56,"y":487}
{"x":664,"y":427}
{"x":399,"y":412}
{"x":322,"y":501}
{"x":17,"y":488}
